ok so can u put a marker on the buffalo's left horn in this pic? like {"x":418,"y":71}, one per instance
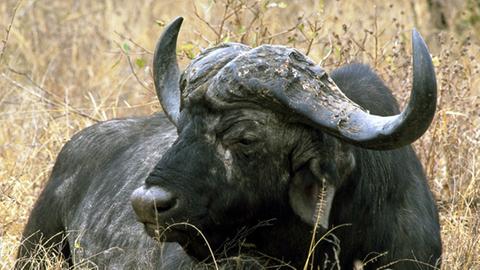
{"x":345,"y":119}
{"x":166,"y":73}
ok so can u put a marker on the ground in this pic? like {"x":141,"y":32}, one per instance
{"x":65,"y":65}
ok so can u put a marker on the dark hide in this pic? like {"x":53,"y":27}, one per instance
{"x":86,"y":201}
{"x":386,"y":198}
{"x":248,"y":177}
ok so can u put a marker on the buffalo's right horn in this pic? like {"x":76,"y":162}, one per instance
{"x":166,"y":73}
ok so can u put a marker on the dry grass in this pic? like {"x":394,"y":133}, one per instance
{"x":66,"y":64}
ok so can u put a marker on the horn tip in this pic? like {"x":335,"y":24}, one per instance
{"x":418,"y":41}
{"x":169,"y":35}
{"x":175,"y":23}
{"x":177,"y":20}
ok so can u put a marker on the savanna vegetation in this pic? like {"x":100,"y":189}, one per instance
{"x":67,"y":64}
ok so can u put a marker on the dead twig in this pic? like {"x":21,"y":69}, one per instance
{"x":195,"y":12}
{"x":133,"y":42}
{"x":132,"y":68}
{"x":53,"y":103}
{"x":9,"y":28}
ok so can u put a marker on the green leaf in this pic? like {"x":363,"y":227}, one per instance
{"x":300,"y":27}
{"x":188,"y":49}
{"x":242,"y":30}
{"x":140,"y":62}
{"x":126,"y":47}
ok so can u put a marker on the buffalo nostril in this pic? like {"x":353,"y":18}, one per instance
{"x":163,"y":200}
{"x":151,"y":202}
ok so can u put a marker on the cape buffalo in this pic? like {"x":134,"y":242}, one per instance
{"x":260,"y":150}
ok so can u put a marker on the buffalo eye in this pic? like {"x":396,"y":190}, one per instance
{"x":244,"y":135}
{"x":244,"y":142}
{"x":244,"y":147}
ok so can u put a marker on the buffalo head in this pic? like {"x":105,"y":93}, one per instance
{"x":264,"y":140}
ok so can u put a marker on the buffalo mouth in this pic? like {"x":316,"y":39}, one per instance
{"x":189,"y":238}
{"x":167,"y":234}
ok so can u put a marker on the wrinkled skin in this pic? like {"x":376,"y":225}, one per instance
{"x":367,"y":196}
{"x":249,"y":163}
{"x":246,"y":169}
{"x":229,"y":154}
{"x":233,"y":147}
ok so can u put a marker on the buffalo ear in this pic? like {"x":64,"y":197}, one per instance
{"x":311,"y":195}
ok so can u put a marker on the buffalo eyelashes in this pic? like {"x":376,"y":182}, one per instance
{"x":245,"y":142}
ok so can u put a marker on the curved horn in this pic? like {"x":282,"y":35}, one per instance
{"x":166,"y":73}
{"x":345,"y":119}
{"x":275,"y":75}
{"x":406,"y":127}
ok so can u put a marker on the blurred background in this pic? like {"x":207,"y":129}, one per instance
{"x":67,"y":64}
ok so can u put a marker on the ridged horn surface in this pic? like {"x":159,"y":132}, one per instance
{"x":282,"y":78}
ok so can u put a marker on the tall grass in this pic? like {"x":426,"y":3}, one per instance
{"x":67,"y":64}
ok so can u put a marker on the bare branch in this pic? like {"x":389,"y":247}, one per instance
{"x":133,"y":42}
{"x":203,"y":20}
{"x":9,"y":28}
{"x":130,"y":64}
{"x":53,"y":103}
